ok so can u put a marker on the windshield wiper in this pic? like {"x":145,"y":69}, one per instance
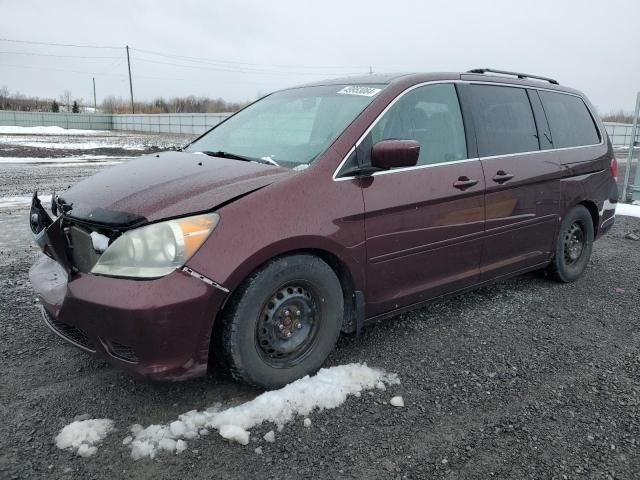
{"x":235,"y":156}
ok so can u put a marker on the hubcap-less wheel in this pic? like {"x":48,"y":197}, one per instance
{"x":573,"y":245}
{"x":281,"y":323}
{"x":288,"y":325}
{"x":574,"y":242}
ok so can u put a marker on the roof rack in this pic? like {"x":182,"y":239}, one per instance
{"x":519,"y":75}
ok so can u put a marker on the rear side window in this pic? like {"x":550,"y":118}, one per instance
{"x":504,"y":120}
{"x":569,"y":119}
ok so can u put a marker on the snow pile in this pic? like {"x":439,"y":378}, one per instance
{"x":83,"y":436}
{"x":100,"y":242}
{"x":235,"y":434}
{"x":74,"y":145}
{"x":83,"y":159}
{"x":628,"y":210}
{"x":9,"y":130}
{"x":327,"y":389}
{"x":22,"y":201}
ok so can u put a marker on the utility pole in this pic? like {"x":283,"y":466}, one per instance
{"x":635,"y":188}
{"x":370,"y":70}
{"x":133,"y":110}
{"x":95,"y":104}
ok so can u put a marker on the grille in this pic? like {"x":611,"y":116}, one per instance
{"x":123,"y":352}
{"x":73,"y":334}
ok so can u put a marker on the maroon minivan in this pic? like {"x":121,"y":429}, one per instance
{"x":318,"y":208}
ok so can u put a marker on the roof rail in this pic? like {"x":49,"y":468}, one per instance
{"x":519,"y":75}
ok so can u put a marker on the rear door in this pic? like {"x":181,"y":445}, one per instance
{"x":424,"y":224}
{"x":522,"y":181}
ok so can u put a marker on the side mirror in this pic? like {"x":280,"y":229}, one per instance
{"x":395,"y":154}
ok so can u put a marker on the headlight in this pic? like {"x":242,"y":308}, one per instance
{"x":157,"y":249}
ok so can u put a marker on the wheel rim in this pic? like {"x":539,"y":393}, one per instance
{"x":288,"y":325}
{"x":574,"y":243}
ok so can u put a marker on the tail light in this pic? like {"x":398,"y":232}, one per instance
{"x":614,"y":168}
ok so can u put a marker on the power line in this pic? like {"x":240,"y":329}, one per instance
{"x":57,"y":56}
{"x":122,"y":77}
{"x":62,"y":70}
{"x":229,"y":62}
{"x":244,"y":70}
{"x":30,"y":42}
{"x":201,"y":60}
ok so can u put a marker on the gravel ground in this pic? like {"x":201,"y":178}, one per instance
{"x":523,"y":379}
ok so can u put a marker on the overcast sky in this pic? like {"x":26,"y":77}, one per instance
{"x":246,"y":47}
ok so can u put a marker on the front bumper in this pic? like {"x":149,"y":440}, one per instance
{"x":157,"y":328}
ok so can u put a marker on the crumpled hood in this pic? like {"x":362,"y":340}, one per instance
{"x":169,"y":184}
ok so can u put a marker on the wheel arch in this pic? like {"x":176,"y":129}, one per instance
{"x":349,"y":280}
{"x":595,"y":214}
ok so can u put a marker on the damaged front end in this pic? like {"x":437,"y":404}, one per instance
{"x":76,"y":247}
{"x":155,"y":327}
{"x":47,"y":233}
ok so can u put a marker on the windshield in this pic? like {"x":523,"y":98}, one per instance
{"x":290,"y":127}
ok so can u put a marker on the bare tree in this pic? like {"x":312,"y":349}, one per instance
{"x":4,"y":96}
{"x":65,"y":99}
{"x":620,"y":116}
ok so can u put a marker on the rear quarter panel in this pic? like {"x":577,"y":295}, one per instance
{"x":586,"y":177}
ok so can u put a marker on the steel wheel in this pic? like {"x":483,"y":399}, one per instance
{"x":574,"y":243}
{"x":282,"y":322}
{"x":288,"y":325}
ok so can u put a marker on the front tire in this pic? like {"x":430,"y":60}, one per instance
{"x":283,"y":321}
{"x":573,"y":246}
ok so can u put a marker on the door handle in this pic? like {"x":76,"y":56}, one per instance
{"x":502,"y":176}
{"x":464,"y":183}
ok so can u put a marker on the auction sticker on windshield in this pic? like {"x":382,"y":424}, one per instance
{"x":359,"y":90}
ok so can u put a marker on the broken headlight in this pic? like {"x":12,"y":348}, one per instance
{"x":155,"y":250}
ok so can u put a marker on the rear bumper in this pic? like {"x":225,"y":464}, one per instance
{"x":156,"y":328}
{"x":608,"y":212}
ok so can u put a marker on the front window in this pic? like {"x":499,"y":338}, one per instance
{"x":431,"y":116}
{"x":291,"y":127}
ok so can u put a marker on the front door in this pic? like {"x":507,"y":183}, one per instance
{"x":424,"y":224}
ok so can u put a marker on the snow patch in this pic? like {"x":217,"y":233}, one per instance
{"x":9,"y":129}
{"x":397,"y":401}
{"x":84,"y":159}
{"x":328,"y":389}
{"x":100,"y":241}
{"x":83,"y":436}
{"x":22,"y":201}
{"x":74,"y":145}
{"x":235,"y":434}
{"x":628,"y":210}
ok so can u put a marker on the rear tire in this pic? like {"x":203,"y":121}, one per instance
{"x":282,"y":322}
{"x":573,"y":246}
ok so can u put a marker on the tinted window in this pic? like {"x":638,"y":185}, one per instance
{"x":431,"y":116}
{"x":569,"y":119}
{"x":504,"y":120}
